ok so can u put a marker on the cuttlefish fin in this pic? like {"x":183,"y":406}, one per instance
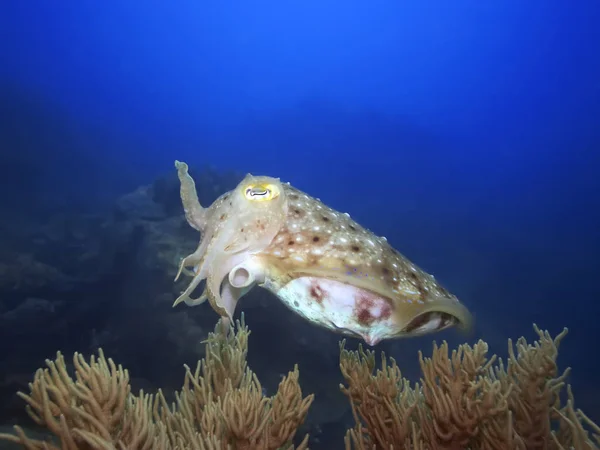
{"x":194,"y":212}
{"x":407,"y":314}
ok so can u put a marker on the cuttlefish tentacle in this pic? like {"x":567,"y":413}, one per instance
{"x":194,"y":212}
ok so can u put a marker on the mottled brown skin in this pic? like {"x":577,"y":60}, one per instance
{"x":317,"y":238}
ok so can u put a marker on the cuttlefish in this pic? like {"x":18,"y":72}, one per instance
{"x":319,"y":262}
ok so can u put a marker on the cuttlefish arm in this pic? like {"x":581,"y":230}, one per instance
{"x":185,"y":296}
{"x":223,"y":302}
{"x":193,"y":261}
{"x":194,"y":212}
{"x":200,"y":261}
{"x":239,"y":224}
{"x":195,"y":215}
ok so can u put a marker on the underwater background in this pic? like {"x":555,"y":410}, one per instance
{"x":467,"y":133}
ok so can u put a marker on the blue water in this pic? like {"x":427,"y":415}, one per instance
{"x":466,"y":132}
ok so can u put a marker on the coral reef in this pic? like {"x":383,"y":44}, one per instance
{"x":464,"y":400}
{"x":220,"y":406}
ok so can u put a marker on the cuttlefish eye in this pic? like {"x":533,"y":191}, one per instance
{"x":261,"y":192}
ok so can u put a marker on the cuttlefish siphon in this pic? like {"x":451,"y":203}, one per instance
{"x":319,"y":262}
